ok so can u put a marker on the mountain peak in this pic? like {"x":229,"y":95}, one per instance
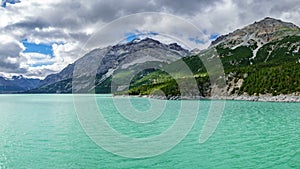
{"x":270,"y":18}
{"x":17,"y":77}
{"x":273,"y":23}
{"x":147,"y":39}
{"x":265,"y":30}
{"x":147,"y":42}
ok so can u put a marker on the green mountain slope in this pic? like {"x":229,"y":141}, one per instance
{"x":275,"y":70}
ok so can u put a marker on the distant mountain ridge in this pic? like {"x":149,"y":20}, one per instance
{"x":17,"y":84}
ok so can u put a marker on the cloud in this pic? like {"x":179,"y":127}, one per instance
{"x":68,"y":24}
{"x":10,"y":49}
{"x":186,"y":8}
{"x":9,"y":55}
{"x":4,"y":2}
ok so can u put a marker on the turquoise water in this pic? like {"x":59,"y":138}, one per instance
{"x":42,"y":131}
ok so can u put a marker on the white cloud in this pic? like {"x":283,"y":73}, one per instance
{"x":12,"y":60}
{"x":68,"y":24}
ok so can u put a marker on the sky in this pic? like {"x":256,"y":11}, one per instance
{"x":41,"y":37}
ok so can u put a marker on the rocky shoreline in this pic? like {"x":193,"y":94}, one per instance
{"x":261,"y":98}
{"x":279,"y":98}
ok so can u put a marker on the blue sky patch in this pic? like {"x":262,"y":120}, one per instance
{"x":41,"y":64}
{"x":4,"y":2}
{"x":130,"y":36}
{"x":42,"y":48}
{"x":213,"y":36}
{"x":197,"y":40}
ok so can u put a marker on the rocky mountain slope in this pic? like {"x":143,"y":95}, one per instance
{"x":263,"y":31}
{"x":256,"y":35}
{"x":120,"y":58}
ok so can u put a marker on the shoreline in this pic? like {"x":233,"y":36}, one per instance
{"x":289,"y":98}
{"x":264,"y":98}
{"x":261,"y":98}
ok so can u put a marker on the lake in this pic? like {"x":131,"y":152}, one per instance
{"x":43,"y":131}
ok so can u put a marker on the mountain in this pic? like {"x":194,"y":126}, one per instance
{"x":267,"y":40}
{"x":255,"y":36}
{"x":262,"y":58}
{"x":17,"y":84}
{"x":122,"y":58}
{"x":260,"y":32}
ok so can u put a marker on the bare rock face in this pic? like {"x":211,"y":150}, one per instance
{"x":260,"y":32}
{"x":120,"y":57}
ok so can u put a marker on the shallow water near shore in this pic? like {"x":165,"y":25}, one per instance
{"x":42,"y":131}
